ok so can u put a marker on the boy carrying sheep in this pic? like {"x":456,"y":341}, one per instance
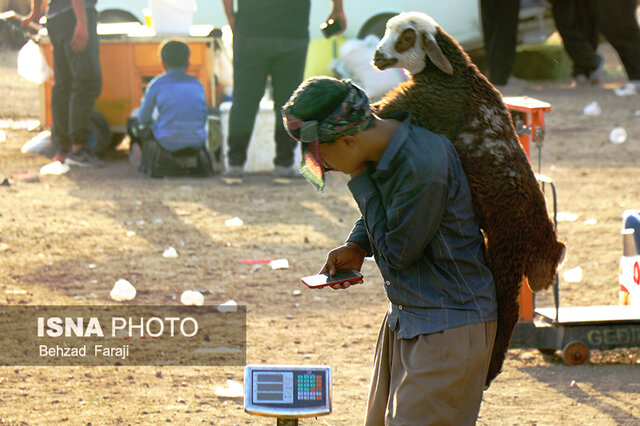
{"x":418,"y":221}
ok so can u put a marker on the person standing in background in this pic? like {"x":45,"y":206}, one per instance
{"x":270,"y":39}
{"x":71,"y":25}
{"x":500,"y":31}
{"x":579,"y":23}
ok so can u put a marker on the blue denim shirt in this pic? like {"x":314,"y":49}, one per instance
{"x":182,"y":110}
{"x":419,"y":223}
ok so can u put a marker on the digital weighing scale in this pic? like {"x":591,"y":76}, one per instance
{"x":287,"y":392}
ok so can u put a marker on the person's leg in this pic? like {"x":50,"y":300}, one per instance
{"x":619,"y":26}
{"x":287,"y":72}
{"x":59,"y":35}
{"x":86,"y":85}
{"x":500,"y":32}
{"x":575,"y":26}
{"x":380,"y":377}
{"x":439,"y":378}
{"x":249,"y":81}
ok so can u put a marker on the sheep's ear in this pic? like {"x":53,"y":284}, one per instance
{"x":430,"y":45}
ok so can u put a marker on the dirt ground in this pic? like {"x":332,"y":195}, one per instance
{"x":120,"y":223}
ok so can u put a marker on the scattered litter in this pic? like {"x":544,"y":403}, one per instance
{"x":289,"y":316}
{"x":573,"y":275}
{"x":40,"y":144}
{"x":228,"y":306}
{"x":627,"y":90}
{"x":5,"y":182}
{"x":255,"y":268}
{"x":56,"y":168}
{"x":636,"y":113}
{"x":122,"y":291}
{"x":236,"y":221}
{"x":572,"y":384}
{"x":16,"y":292}
{"x":296,"y":292}
{"x":232,"y":390}
{"x":185,"y":188}
{"x":130,"y":233}
{"x":566,"y":217}
{"x":232,"y":181}
{"x":25,"y":176}
{"x":191,"y":297}
{"x":92,"y":266}
{"x":618,"y":135}
{"x":592,"y":109}
{"x":158,"y":221}
{"x":282,"y":181}
{"x":138,"y":203}
{"x":590,"y":221}
{"x":279,"y":264}
{"x":183,"y":212}
{"x":258,"y":201}
{"x":3,"y":136}
{"x":221,"y":350}
{"x":140,"y":222}
{"x":319,"y":299}
{"x":4,"y":247}
{"x":170,"y":253}
{"x":28,"y":124}
{"x":254,"y":261}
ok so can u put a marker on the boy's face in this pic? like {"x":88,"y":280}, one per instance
{"x":343,"y":155}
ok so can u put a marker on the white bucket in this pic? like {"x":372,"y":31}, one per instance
{"x":172,"y":16}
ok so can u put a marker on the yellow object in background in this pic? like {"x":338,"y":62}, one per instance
{"x":320,"y":54}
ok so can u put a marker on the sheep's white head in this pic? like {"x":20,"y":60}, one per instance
{"x":409,"y":38}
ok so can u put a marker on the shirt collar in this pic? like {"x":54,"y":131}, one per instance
{"x":174,"y":71}
{"x":396,"y":142}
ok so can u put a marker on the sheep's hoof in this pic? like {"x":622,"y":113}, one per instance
{"x":575,"y":353}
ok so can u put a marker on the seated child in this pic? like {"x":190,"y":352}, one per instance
{"x":172,"y":119}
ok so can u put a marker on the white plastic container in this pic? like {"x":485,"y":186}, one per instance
{"x":172,"y":16}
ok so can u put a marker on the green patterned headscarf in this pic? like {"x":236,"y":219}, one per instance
{"x":352,"y":116}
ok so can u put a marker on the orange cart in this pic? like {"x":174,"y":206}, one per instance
{"x":129,"y":59}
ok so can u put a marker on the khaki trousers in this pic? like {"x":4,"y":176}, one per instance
{"x":432,"y":379}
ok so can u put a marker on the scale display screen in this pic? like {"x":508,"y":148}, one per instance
{"x":288,"y":390}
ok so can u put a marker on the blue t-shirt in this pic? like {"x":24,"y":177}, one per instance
{"x":419,"y":223}
{"x":56,"y":7}
{"x":181,"y":107}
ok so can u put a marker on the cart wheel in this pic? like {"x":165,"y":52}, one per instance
{"x":575,"y":353}
{"x":547,"y":351}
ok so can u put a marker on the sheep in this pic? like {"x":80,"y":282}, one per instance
{"x":448,"y":94}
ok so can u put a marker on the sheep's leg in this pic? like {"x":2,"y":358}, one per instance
{"x":542,"y":264}
{"x":545,"y":252}
{"x":507,"y":267}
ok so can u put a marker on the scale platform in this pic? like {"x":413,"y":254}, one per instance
{"x":578,"y":329}
{"x":590,"y":314}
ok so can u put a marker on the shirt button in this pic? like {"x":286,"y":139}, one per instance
{"x":400,"y":307}
{"x":387,"y":283}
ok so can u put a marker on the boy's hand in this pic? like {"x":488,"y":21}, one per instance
{"x":347,"y":256}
